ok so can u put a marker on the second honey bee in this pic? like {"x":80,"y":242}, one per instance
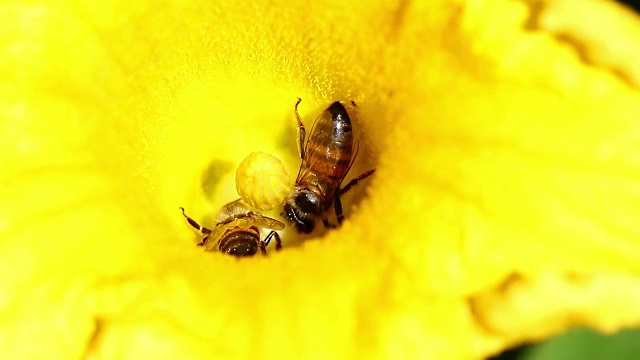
{"x":237,"y":231}
{"x":327,"y":156}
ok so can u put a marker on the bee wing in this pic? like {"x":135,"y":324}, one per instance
{"x":356,"y":146}
{"x":247,"y":220}
{"x":317,"y":139}
{"x":227,"y":211}
{"x":322,"y":137}
{"x":267,"y":222}
{"x":214,"y":237}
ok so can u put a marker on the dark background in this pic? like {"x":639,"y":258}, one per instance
{"x":635,"y":4}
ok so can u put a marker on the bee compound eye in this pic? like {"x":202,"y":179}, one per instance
{"x":307,"y":202}
{"x":302,"y":223}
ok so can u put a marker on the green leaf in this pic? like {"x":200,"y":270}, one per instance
{"x":586,"y":344}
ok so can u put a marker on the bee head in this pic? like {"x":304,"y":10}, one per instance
{"x":307,"y":202}
{"x":301,"y":222}
{"x":301,"y":208}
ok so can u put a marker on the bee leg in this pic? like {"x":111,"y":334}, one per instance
{"x":197,"y":226}
{"x":354,"y":181}
{"x":326,"y":224}
{"x":278,"y":242}
{"x":338,"y":208}
{"x":267,"y":240}
{"x":301,"y":131}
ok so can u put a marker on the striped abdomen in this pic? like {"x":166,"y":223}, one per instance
{"x":328,"y":154}
{"x":240,"y":241}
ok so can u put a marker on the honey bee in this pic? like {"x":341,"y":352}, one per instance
{"x":237,"y":230}
{"x":327,"y":156}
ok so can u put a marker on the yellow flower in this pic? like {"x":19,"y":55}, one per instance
{"x":503,"y":209}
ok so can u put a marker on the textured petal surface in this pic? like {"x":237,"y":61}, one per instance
{"x":503,"y":209}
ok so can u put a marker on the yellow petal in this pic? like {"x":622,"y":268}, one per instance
{"x":503,"y":207}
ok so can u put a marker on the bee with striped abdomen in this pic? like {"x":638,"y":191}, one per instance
{"x":327,"y":156}
{"x":237,"y":231}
